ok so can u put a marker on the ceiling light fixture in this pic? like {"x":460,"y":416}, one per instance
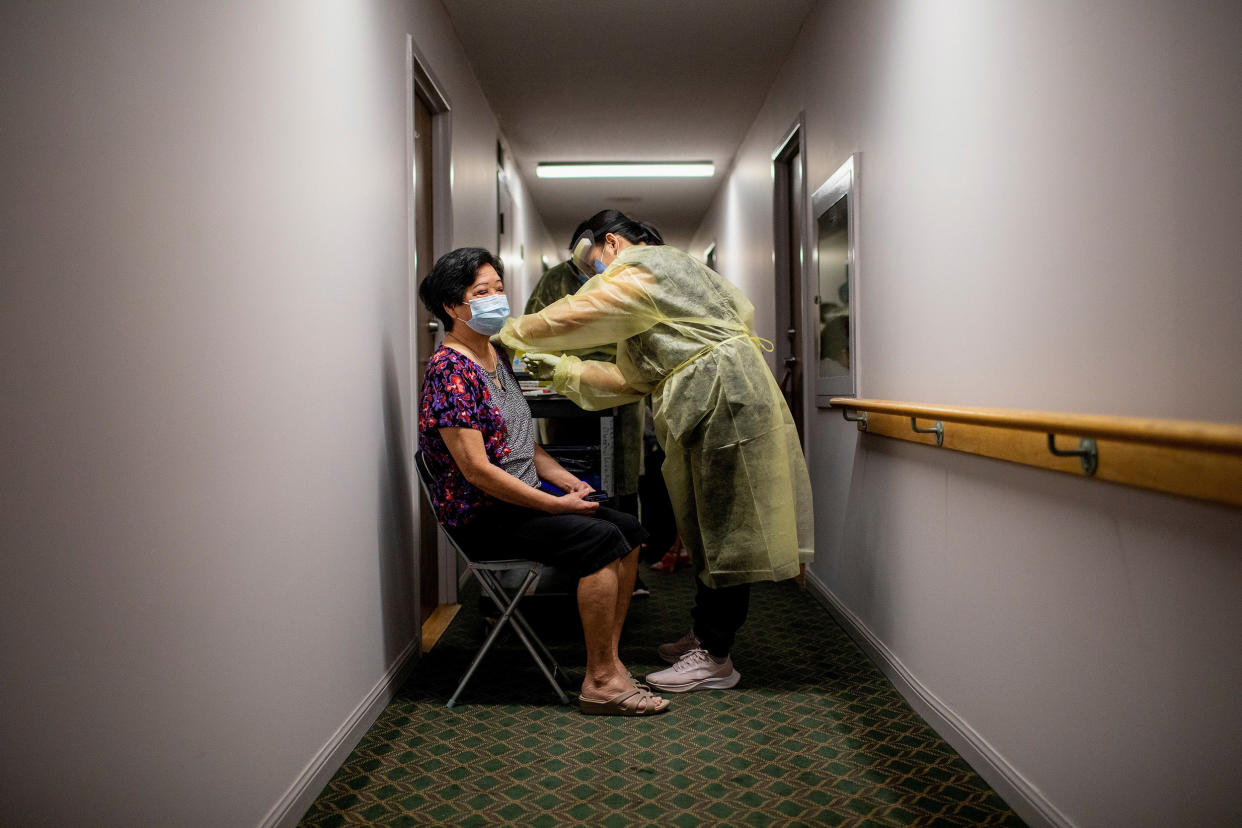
{"x":626,"y":169}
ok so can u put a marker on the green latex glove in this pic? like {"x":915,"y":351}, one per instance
{"x":541,"y":366}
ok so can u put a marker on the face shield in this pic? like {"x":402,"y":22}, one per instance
{"x":581,"y":258}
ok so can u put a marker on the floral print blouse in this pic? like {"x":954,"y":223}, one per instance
{"x":455,"y":395}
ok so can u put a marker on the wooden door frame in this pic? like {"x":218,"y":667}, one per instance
{"x":794,"y":139}
{"x":420,"y":80}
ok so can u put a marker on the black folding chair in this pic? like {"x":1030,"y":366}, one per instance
{"x":488,"y":575}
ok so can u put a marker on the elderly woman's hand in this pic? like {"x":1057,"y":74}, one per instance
{"x":581,"y":486}
{"x":541,"y":366}
{"x":571,"y":503}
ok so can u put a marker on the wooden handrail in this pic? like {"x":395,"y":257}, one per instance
{"x":1194,"y":459}
{"x":1189,"y":434}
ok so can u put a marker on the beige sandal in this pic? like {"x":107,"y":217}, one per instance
{"x":633,"y":702}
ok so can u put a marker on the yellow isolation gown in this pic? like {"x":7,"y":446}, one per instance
{"x":734,"y":465}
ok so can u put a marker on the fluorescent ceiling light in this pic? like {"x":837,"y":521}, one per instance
{"x":622,"y":169}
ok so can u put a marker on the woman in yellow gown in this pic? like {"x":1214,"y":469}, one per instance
{"x":734,"y":466}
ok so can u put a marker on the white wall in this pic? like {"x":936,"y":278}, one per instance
{"x":204,"y":319}
{"x":1050,"y":200}
{"x":523,"y":265}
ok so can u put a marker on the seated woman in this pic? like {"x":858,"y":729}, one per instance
{"x":476,"y":432}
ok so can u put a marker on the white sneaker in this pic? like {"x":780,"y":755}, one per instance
{"x":696,"y":670}
{"x":671,"y":652}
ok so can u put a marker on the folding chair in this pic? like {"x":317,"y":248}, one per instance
{"x":488,"y":575}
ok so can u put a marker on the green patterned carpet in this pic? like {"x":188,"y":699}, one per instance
{"x":813,"y":735}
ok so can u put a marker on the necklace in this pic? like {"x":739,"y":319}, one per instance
{"x":494,"y":374}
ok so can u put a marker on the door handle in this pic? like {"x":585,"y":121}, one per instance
{"x":433,"y":326}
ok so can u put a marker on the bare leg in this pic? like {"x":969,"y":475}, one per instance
{"x":625,"y":591}
{"x":597,"y":606}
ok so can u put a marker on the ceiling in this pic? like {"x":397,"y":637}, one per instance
{"x":626,"y":80}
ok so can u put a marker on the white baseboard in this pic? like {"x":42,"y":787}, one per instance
{"x":318,"y":772}
{"x":1026,"y":799}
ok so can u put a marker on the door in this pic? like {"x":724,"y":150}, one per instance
{"x":426,"y":327}
{"x":789,"y":225}
{"x":505,"y":235}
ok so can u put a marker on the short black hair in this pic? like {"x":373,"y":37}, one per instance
{"x":618,"y":223}
{"x":452,"y":274}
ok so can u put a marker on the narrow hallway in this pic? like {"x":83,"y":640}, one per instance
{"x":814,"y":735}
{"x":992,"y":246}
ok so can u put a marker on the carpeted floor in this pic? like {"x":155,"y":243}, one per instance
{"x":813,"y":735}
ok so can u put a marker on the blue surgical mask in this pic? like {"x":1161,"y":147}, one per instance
{"x":488,"y":315}
{"x":599,"y":266}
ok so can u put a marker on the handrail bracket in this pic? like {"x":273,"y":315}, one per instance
{"x":859,"y":417}
{"x":937,"y":429}
{"x":1088,"y":452}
